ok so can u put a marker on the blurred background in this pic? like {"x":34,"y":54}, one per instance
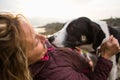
{"x":48,"y":16}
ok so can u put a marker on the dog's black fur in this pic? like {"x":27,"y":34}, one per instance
{"x":91,"y":30}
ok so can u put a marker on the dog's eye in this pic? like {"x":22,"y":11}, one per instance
{"x":83,"y":38}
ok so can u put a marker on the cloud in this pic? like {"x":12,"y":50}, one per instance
{"x":63,"y":8}
{"x":10,"y":5}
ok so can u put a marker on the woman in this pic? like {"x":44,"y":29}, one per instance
{"x":13,"y":61}
{"x":45,"y":61}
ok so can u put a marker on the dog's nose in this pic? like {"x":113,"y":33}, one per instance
{"x":51,"y":39}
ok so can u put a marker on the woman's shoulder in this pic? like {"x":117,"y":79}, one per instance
{"x":66,"y":54}
{"x":63,"y":51}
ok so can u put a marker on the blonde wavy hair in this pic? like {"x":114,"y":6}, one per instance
{"x":13,"y":61}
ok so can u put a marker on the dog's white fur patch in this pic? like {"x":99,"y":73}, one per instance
{"x":62,"y":33}
{"x":104,"y":27}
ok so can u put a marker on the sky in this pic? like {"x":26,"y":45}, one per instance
{"x":63,"y":9}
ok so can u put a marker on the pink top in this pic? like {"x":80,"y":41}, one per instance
{"x":50,"y":48}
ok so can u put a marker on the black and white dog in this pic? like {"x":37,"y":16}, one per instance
{"x":87,"y":34}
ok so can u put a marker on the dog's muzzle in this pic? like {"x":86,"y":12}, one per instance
{"x":51,"y":39}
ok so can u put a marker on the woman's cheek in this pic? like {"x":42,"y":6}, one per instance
{"x":40,"y":50}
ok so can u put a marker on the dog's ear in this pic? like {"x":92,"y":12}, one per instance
{"x":98,"y":35}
